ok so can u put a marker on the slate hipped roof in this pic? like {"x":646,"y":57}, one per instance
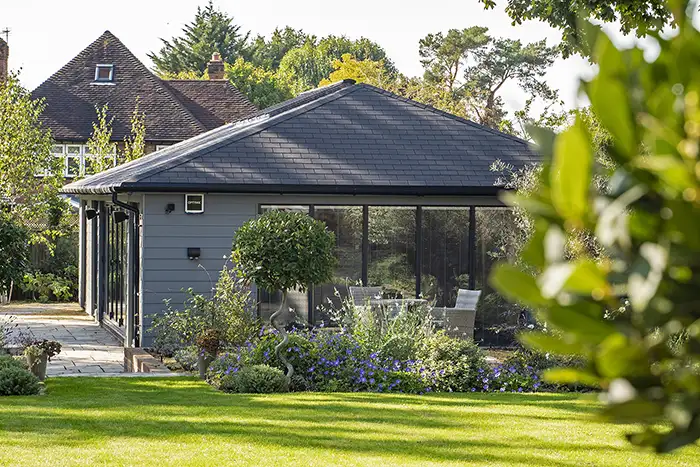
{"x":344,"y":138}
{"x":175,"y":110}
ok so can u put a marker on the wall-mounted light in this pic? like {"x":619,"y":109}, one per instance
{"x":194,"y":253}
{"x":119,"y":216}
{"x":170,"y":207}
{"x":90,"y":214}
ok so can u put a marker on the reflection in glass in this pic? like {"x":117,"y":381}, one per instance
{"x":346,"y":223}
{"x":445,"y":254}
{"x":392,"y":250}
{"x":496,"y":240}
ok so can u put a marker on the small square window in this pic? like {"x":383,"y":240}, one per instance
{"x":104,"y":73}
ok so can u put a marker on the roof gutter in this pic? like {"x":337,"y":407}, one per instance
{"x":351,"y":190}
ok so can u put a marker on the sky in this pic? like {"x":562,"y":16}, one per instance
{"x":46,"y":34}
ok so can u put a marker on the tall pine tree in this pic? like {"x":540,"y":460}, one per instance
{"x":211,"y":31}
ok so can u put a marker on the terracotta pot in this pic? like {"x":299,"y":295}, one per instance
{"x":203,"y":362}
{"x":38,"y":366}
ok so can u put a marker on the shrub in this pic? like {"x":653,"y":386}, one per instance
{"x":17,"y":381}
{"x":455,"y":365}
{"x":8,"y":361}
{"x":45,"y":286}
{"x":230,"y":310}
{"x":14,"y":253}
{"x":187,"y":357}
{"x":397,"y":335}
{"x":258,"y":379}
{"x":300,"y":351}
{"x":525,"y":368}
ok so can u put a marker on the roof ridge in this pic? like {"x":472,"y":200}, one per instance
{"x":435,"y":110}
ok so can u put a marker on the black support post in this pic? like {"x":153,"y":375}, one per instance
{"x":310,"y":295}
{"x":365,"y":244}
{"x":472,"y":248}
{"x":419,"y":248}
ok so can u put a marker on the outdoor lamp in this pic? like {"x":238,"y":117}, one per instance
{"x":119,"y":216}
{"x":90,"y":214}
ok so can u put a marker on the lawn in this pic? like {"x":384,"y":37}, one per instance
{"x":183,"y":422}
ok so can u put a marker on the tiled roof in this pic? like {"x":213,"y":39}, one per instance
{"x":346,"y":138}
{"x":175,"y":110}
{"x":212,"y":102}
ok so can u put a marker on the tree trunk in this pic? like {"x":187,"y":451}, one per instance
{"x":285,"y":337}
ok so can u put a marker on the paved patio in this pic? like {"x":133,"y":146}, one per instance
{"x":87,"y":348}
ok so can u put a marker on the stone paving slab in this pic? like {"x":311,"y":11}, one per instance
{"x":87,"y":349}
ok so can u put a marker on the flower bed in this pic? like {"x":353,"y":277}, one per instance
{"x":339,"y":362}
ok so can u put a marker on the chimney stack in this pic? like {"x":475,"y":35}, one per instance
{"x":4,"y":55}
{"x":215,"y":67}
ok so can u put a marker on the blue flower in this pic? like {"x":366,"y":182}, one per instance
{"x":473,"y":389}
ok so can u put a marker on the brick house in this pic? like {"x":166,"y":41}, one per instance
{"x":106,"y":72}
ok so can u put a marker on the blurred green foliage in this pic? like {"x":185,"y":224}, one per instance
{"x":623,"y":311}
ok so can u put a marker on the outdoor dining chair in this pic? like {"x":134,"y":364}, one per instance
{"x":458,"y":321}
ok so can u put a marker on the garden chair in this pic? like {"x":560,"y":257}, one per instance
{"x":362,"y":295}
{"x":459,"y":320}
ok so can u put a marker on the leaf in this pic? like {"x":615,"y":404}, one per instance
{"x":608,"y":94}
{"x":617,"y":357}
{"x":588,"y":328}
{"x":517,"y":285}
{"x":633,"y":410}
{"x":588,"y":279}
{"x":571,"y":173}
{"x":557,"y":345}
{"x":570,"y":376}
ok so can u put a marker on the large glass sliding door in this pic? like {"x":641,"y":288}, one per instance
{"x":449,"y":248}
{"x":444,"y":254}
{"x":346,"y":223}
{"x":496,"y":239}
{"x":392,"y":250}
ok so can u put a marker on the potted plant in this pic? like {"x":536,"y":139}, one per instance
{"x":38,"y":353}
{"x":208,"y":344}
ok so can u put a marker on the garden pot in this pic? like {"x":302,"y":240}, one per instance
{"x":203,"y":362}
{"x":38,"y":366}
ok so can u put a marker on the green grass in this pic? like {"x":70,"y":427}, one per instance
{"x":183,"y":422}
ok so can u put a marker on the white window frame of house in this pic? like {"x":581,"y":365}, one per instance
{"x":81,"y":152}
{"x":162,"y":146}
{"x":97,"y":73}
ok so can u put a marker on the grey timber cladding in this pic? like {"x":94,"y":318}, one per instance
{"x":165,"y":266}
{"x":352,"y":138}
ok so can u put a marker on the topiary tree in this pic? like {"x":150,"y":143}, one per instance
{"x":281,"y":251}
{"x":633,"y":313}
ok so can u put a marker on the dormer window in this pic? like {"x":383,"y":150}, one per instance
{"x":104,"y":73}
